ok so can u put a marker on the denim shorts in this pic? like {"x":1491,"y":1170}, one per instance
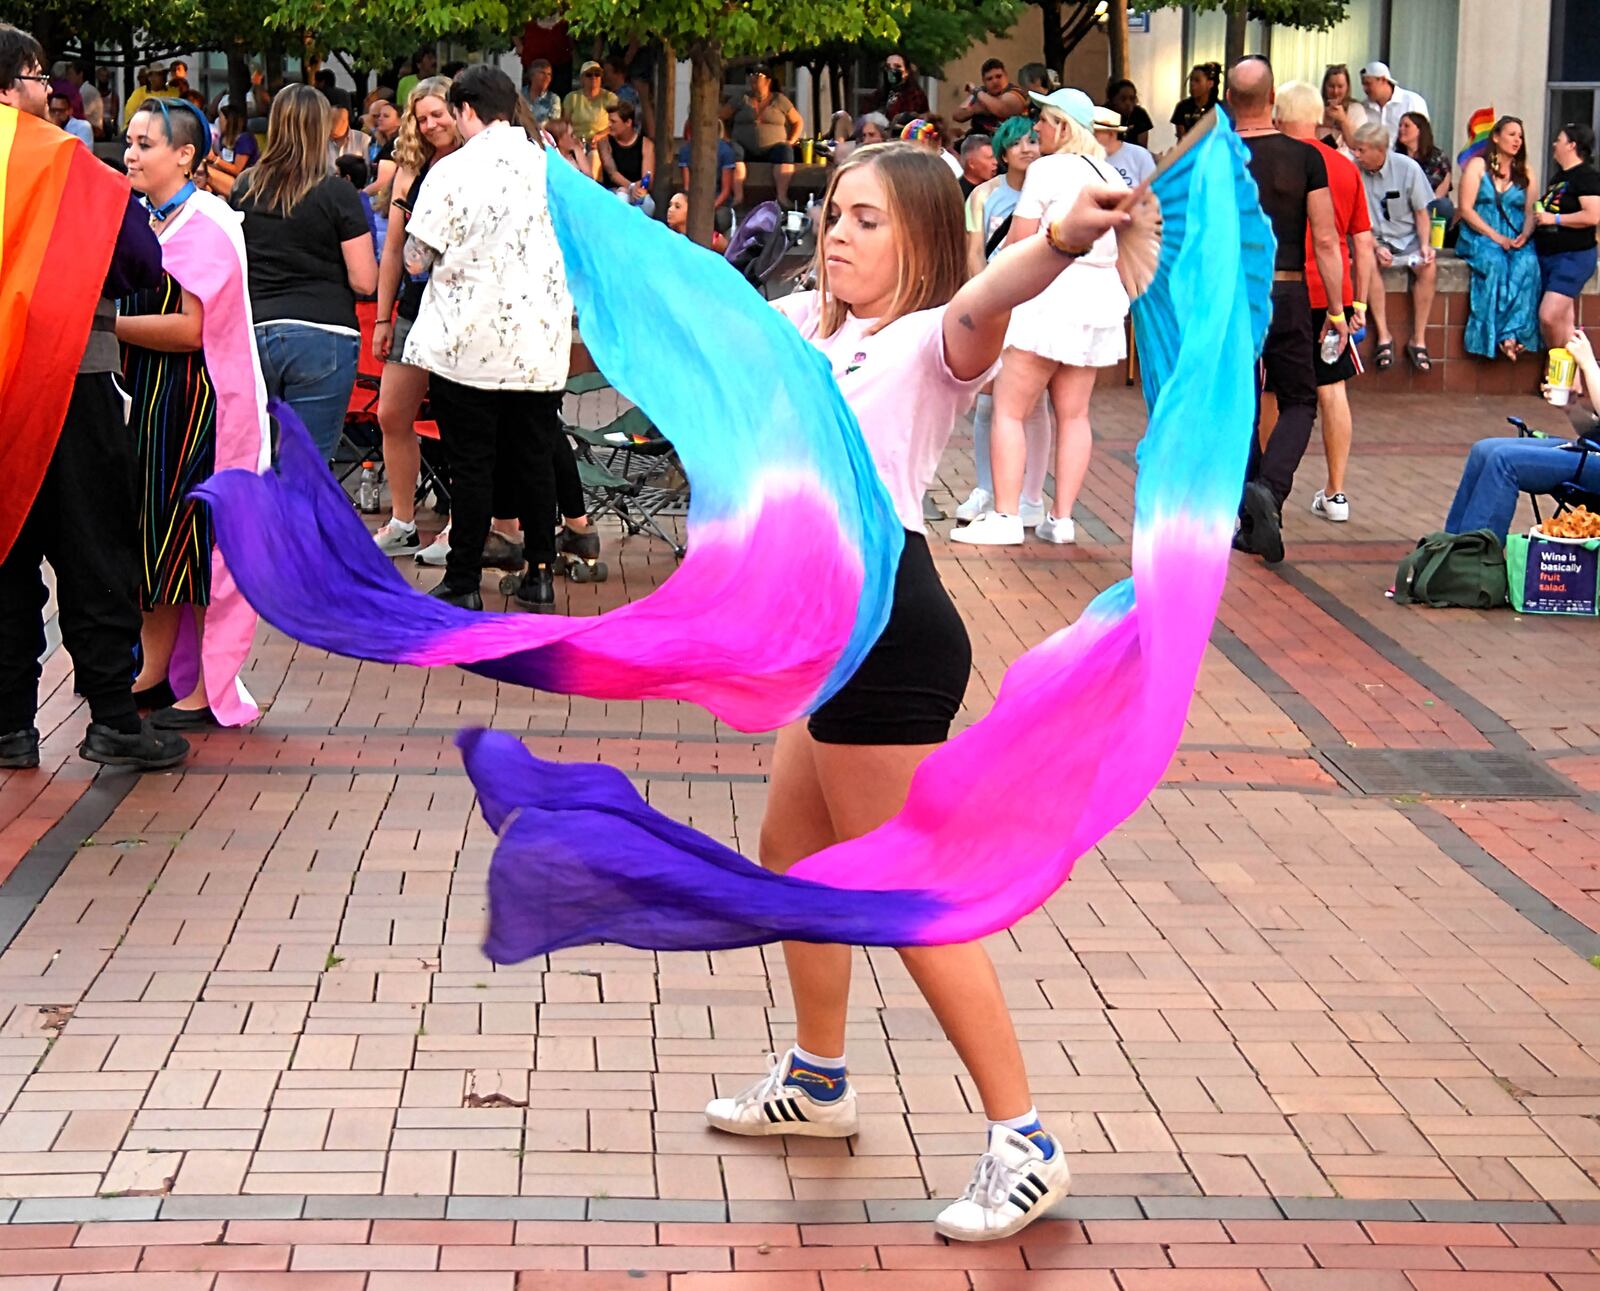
{"x":1566,"y":272}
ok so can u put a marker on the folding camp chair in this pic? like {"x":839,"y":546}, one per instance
{"x":1571,"y":495}
{"x":627,"y":467}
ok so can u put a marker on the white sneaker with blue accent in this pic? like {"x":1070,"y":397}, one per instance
{"x":1012,"y":1186}
{"x":779,"y":1104}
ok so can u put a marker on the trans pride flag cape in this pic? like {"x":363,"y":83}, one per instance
{"x":581,"y":857}
{"x":202,"y":247}
{"x":60,"y":211}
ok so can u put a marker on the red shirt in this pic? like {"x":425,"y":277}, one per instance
{"x":1349,"y":217}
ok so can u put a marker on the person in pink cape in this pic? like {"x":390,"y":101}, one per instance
{"x":198,"y":407}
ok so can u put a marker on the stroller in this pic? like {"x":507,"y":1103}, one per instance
{"x":758,"y":246}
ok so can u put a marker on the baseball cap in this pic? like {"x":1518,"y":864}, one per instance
{"x":1074,"y":103}
{"x":590,"y":66}
{"x":1109,"y":119}
{"x":1379,"y":72}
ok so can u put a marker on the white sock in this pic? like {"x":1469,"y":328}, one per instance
{"x":817,"y":1060}
{"x":1027,"y":1120}
{"x":405,"y":526}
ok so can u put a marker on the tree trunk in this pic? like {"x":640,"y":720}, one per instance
{"x":666,"y":180}
{"x":1055,"y":54}
{"x":1117,"y":27}
{"x":239,"y":80}
{"x":705,"y":98}
{"x":816,"y":97}
{"x":1238,"y":25}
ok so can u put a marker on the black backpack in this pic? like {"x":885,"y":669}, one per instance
{"x":1467,"y":570}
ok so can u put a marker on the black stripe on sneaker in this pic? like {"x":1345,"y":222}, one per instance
{"x":1024,"y":1186}
{"x":783,"y":1109}
{"x":1038,"y":1184}
{"x":771,"y":1110}
{"x":1021,"y":1201}
{"x":794,"y":1107}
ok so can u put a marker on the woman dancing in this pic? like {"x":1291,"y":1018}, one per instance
{"x":910,"y":342}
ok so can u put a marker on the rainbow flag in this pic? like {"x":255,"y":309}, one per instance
{"x":1479,"y":128}
{"x":60,"y":210}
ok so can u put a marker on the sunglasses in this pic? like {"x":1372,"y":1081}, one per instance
{"x":589,"y":75}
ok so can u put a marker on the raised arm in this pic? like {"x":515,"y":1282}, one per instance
{"x":975,"y":320}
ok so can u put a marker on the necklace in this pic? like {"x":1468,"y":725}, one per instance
{"x":160,"y":214}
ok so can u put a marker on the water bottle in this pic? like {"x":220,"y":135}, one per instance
{"x":1414,"y":259}
{"x":367,"y":491}
{"x":1332,"y":343}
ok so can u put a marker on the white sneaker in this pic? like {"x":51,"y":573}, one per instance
{"x":395,"y":539}
{"x":436,"y":553}
{"x":1060,"y":531}
{"x":992,"y":529}
{"x":1336,"y":508}
{"x":777,"y":1106}
{"x":1032,"y":513}
{"x":978,"y":501}
{"x":1012,"y":1186}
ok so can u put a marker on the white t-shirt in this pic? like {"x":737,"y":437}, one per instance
{"x":1057,"y":180}
{"x":900,"y":388}
{"x":1401,"y":102}
{"x":496,"y":313}
{"x":1133,"y":163}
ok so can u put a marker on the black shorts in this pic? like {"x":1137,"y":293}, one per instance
{"x":909,"y":687}
{"x":1342,"y":368}
{"x":1289,"y":356}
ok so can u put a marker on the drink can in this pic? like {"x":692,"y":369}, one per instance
{"x":1560,"y":374}
{"x":1436,"y":235}
{"x":807,"y":151}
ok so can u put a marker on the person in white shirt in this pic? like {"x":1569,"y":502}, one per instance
{"x":60,"y":110}
{"x":1388,"y":101}
{"x":494,"y":332}
{"x":1133,"y":163}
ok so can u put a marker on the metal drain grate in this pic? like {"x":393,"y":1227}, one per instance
{"x":1446,"y":773}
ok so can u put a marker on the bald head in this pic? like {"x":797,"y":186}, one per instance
{"x":1250,"y":87}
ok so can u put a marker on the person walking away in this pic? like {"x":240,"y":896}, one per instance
{"x":1204,"y":79}
{"x":1299,"y":115}
{"x":199,"y":407}
{"x":767,"y":126}
{"x":1133,"y":163}
{"x":1387,"y":101}
{"x":1565,"y":237}
{"x":1342,"y":116}
{"x":1122,"y":97}
{"x":1399,"y":203}
{"x":494,"y":331}
{"x":66,"y":456}
{"x":1497,"y":223}
{"x":991,"y":102}
{"x":1416,"y":142}
{"x":1056,"y":341}
{"x":909,"y":343}
{"x":989,"y":211}
{"x":1293,"y":181}
{"x":310,"y":256}
{"x":587,"y":110}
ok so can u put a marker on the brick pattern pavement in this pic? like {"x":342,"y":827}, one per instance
{"x":258,"y":984}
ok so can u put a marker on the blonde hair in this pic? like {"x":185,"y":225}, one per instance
{"x":411,"y":150}
{"x":925,"y":210}
{"x":1073,"y":137}
{"x":1299,"y":103}
{"x":295,"y":159}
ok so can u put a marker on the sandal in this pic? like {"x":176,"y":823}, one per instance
{"x":1383,"y":356}
{"x":1418,"y":354}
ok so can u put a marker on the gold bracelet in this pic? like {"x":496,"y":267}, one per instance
{"x":1050,"y":237}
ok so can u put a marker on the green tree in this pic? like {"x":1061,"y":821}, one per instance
{"x":1313,"y":15}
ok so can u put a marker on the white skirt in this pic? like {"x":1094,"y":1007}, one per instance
{"x":1078,"y":319}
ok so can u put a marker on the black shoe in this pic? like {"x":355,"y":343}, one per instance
{"x":183,"y":719}
{"x":580,"y":544}
{"x":1266,"y":525}
{"x":149,"y":750}
{"x":1241,"y":541}
{"x":537,"y":589}
{"x":20,"y":750}
{"x":499,"y":552}
{"x":468,"y":600}
{"x":158,"y":696}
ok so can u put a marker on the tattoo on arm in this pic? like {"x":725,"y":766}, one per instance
{"x":420,"y":257}
{"x":966,"y":321}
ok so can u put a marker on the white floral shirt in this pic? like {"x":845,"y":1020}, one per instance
{"x":496,"y":313}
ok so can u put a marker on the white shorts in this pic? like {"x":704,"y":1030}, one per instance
{"x":1078,"y":319}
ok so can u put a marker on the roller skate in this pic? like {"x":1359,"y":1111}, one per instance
{"x":501,"y":552}
{"x":578,"y":554}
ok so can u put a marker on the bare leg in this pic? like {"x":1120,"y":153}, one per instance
{"x":1378,"y":308}
{"x":1021,"y":382}
{"x":1424,"y":283}
{"x":1337,"y":429}
{"x":400,"y":393}
{"x":156,"y":640}
{"x":781,"y":175}
{"x":1070,"y":389}
{"x":196,"y":698}
{"x":1557,"y":319}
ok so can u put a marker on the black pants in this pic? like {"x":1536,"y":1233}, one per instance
{"x":85,"y":523}
{"x":501,"y":445}
{"x":1288,"y":362}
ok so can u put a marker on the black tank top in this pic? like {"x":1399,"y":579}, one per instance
{"x":628,"y":158}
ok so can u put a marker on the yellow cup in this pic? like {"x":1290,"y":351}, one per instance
{"x":1436,"y":235}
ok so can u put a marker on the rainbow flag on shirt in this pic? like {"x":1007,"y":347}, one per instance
{"x":60,"y":211}
{"x":1479,"y":128}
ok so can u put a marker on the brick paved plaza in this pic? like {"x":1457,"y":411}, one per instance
{"x":1297,"y":1030}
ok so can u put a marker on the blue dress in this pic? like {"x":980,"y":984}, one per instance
{"x":1504,"y":300}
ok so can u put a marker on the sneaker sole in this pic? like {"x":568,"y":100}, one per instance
{"x":30,"y":763}
{"x":793,"y":1129}
{"x":121,"y":760}
{"x":1266,"y":530}
{"x":1040,"y":1210}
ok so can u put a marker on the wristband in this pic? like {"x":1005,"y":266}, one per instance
{"x":1336,"y":315}
{"x":1050,"y":237}
{"x":1558,"y":219}
{"x":1360,"y":306}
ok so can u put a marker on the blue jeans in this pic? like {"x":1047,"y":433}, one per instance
{"x":1497,"y":470}
{"x":313,"y":371}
